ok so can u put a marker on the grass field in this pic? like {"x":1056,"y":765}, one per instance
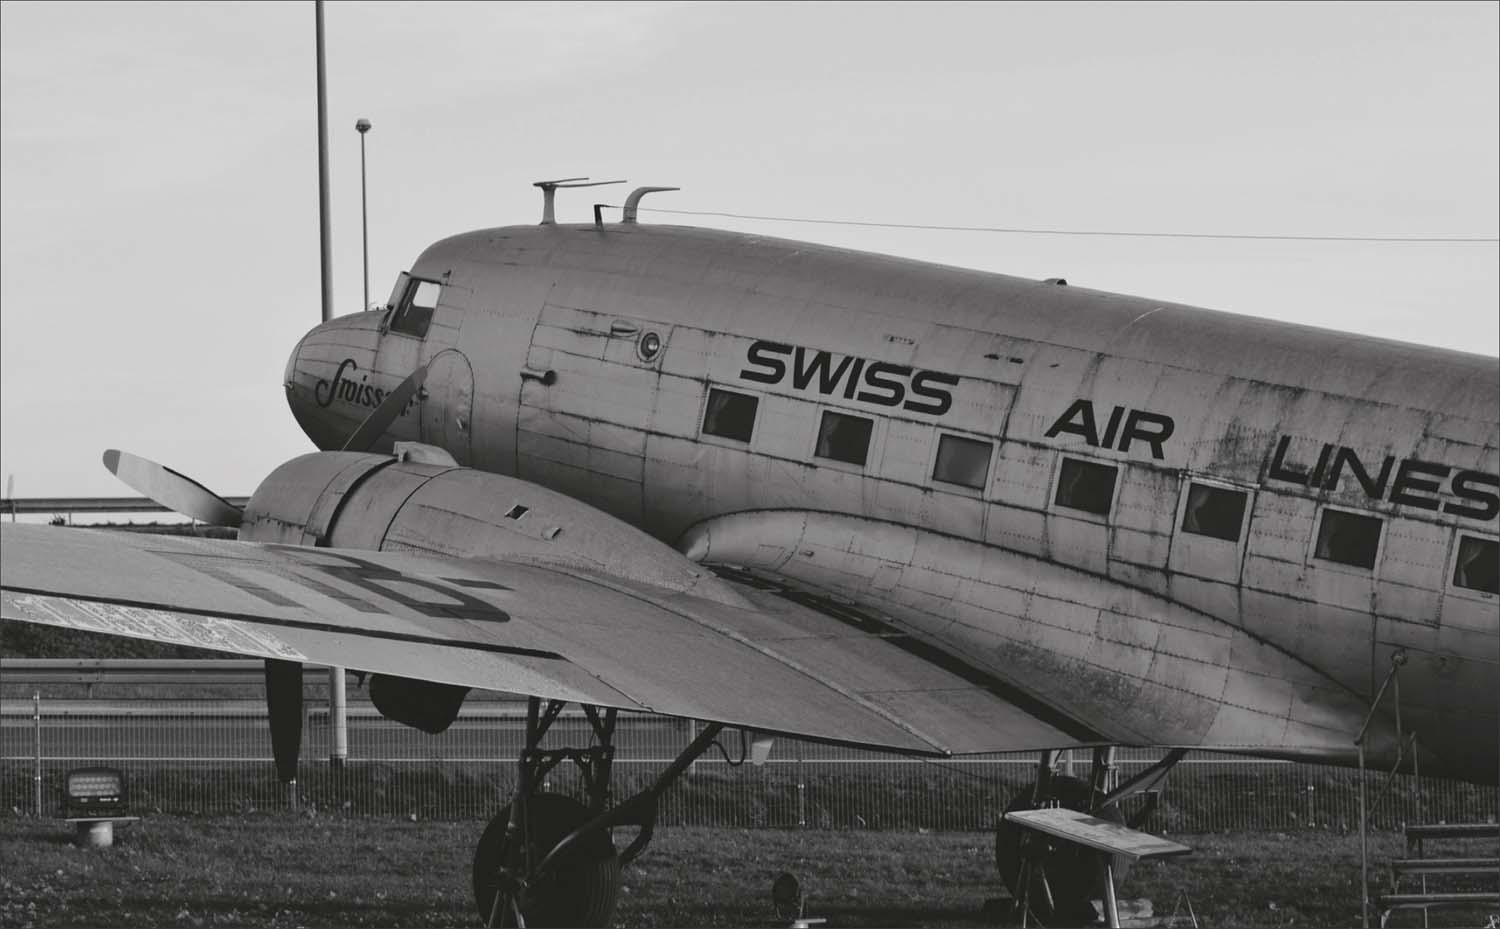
{"x":318,"y":871}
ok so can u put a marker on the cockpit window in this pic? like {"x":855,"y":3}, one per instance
{"x":413,"y":313}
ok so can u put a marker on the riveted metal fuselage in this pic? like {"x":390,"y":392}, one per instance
{"x":590,"y":356}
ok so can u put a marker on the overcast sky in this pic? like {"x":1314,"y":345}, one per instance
{"x":158,"y":171}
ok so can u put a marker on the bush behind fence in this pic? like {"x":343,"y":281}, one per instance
{"x":212,"y":758}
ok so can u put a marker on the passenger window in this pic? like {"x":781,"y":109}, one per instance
{"x":844,"y":438}
{"x":962,"y":461}
{"x":1214,"y":511}
{"x":1086,"y":485}
{"x":1348,"y":538}
{"x":414,"y":312}
{"x":1478,"y":566}
{"x":730,"y":415}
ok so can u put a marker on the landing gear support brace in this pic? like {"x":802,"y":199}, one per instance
{"x":547,"y":859}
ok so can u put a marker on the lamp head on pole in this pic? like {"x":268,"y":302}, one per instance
{"x":363,"y":126}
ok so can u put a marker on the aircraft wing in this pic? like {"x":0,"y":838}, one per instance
{"x":555,"y":631}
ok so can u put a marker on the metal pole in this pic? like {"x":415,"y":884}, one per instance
{"x":801,"y":789}
{"x":1416,"y":781}
{"x":1364,"y":851}
{"x":1111,"y":905}
{"x":36,"y":718}
{"x":339,"y":717}
{"x":326,"y":248}
{"x":362,"y":127}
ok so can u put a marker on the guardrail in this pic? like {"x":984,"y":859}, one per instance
{"x":31,"y":506}
{"x":185,"y":671}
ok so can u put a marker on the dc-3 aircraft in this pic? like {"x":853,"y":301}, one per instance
{"x":798,"y":490}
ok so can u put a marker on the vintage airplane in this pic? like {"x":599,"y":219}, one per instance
{"x":792,"y":489}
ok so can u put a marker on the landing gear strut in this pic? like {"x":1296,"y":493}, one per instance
{"x":1054,"y":881}
{"x":549,"y":860}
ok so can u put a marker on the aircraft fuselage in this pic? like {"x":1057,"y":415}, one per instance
{"x":1175,"y":525}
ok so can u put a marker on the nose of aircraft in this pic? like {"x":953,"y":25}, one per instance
{"x":335,"y":378}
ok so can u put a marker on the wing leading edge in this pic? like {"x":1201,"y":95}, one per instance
{"x":557,"y":631}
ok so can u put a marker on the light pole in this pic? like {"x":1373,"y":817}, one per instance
{"x":363,"y":126}
{"x":325,"y":248}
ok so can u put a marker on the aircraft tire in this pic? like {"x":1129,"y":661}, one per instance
{"x":580,"y":888}
{"x":1075,"y":875}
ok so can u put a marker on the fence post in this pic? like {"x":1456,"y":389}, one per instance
{"x":338,"y":718}
{"x":801,"y":790}
{"x":36,"y":721}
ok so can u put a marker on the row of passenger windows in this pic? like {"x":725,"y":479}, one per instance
{"x":1219,"y":513}
{"x":1089,"y":486}
{"x":846,"y":438}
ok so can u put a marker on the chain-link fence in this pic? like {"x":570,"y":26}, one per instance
{"x":213,"y":757}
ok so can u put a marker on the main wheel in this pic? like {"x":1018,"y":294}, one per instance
{"x":578,"y":889}
{"x":1074,"y":875}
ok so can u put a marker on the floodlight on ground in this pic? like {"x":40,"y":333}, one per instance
{"x":94,"y":792}
{"x":94,"y":799}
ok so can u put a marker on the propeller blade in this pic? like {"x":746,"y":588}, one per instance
{"x":171,"y":489}
{"x":382,"y":416}
{"x":284,"y":707}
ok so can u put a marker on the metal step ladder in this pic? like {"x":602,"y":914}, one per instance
{"x":1464,"y":871}
{"x":1416,"y":864}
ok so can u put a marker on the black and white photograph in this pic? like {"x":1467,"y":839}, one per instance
{"x":746,"y":464}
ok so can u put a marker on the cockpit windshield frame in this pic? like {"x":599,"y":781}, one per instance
{"x":397,"y":292}
{"x":412,"y":305}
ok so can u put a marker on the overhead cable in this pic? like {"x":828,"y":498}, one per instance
{"x":1449,"y":240}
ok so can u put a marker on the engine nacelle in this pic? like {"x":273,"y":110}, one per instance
{"x":425,"y":504}
{"x":424,"y":705}
{"x":381,"y":502}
